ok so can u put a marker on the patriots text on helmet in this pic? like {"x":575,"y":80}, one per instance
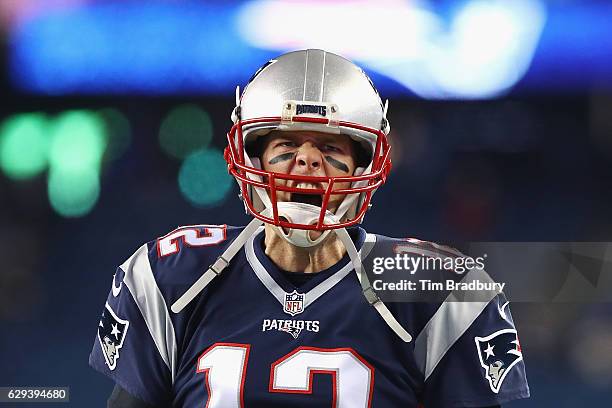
{"x":316,"y":109}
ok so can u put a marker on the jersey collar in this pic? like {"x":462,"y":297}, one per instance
{"x":272,"y":278}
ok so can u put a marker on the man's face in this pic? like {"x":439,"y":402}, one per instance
{"x":309,"y":153}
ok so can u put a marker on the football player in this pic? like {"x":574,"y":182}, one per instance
{"x":281,"y":313}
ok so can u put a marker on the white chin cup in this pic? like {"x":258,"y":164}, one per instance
{"x":301,"y":213}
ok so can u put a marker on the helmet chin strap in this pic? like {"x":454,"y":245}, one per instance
{"x":367,"y":290}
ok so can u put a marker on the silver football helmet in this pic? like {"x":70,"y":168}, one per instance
{"x":318,"y":91}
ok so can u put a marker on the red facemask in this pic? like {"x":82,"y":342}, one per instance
{"x":364,"y":184}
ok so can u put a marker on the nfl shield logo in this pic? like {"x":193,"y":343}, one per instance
{"x":294,"y":303}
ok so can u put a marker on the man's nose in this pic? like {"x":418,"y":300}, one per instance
{"x":308,"y":157}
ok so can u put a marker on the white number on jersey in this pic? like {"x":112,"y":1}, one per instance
{"x":192,"y":236}
{"x":226,"y":365}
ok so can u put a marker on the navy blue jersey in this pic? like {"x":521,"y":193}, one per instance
{"x":252,"y":339}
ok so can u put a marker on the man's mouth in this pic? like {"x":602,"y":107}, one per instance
{"x":312,"y":199}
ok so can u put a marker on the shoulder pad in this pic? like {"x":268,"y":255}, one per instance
{"x":448,"y":257}
{"x":184,"y":253}
{"x":415,"y":244}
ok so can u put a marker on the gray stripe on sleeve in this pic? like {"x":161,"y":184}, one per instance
{"x":141,"y":283}
{"x":449,"y":323}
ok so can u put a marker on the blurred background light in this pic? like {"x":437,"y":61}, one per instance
{"x":203,"y":178}
{"x":73,"y":193}
{"x":118,"y":132}
{"x":78,"y":144}
{"x":78,"y":141}
{"x":166,"y":48}
{"x":483,"y":50}
{"x":456,"y":49}
{"x":490,"y":46}
{"x":185,"y":129}
{"x":24,"y":144}
{"x":16,"y":11}
{"x":398,"y":32}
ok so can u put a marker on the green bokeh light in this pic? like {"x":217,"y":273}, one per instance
{"x":78,"y":144}
{"x":118,"y":133}
{"x":24,"y":144}
{"x":79,"y":141}
{"x":203,"y":178}
{"x":73,"y":193}
{"x":185,"y":129}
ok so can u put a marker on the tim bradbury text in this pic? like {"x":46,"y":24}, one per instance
{"x":428,"y":285}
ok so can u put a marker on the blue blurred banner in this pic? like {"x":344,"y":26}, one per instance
{"x":468,"y":49}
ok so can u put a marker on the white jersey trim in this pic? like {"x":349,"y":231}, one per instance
{"x":313,"y":294}
{"x":141,"y":283}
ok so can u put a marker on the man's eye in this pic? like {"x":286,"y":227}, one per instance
{"x":331,"y":148}
{"x":286,"y":144}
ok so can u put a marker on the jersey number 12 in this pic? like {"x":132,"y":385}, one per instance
{"x":225,"y":367}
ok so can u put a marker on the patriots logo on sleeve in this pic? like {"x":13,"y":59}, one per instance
{"x":111,"y":333}
{"x":498,"y":353}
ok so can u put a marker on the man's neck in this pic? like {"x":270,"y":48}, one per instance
{"x":296,"y":259}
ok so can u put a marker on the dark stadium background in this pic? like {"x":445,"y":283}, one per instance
{"x":532,"y":164}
